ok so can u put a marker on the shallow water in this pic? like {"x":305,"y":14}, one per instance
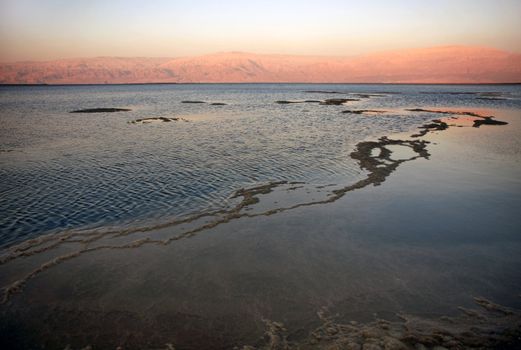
{"x":439,"y":227}
{"x":60,"y":170}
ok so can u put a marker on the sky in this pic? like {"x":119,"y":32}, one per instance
{"x":53,"y":29}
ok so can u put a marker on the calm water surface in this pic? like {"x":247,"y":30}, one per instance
{"x":60,"y":170}
{"x":437,"y":233}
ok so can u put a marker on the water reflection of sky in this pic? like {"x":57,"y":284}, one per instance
{"x":70,"y":170}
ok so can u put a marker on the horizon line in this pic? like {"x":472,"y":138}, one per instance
{"x":245,"y":83}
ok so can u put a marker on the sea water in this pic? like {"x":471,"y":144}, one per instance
{"x":62,"y":170}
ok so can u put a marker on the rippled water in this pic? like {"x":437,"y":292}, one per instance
{"x":60,"y":170}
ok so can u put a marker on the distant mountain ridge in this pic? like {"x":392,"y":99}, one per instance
{"x":447,"y":64}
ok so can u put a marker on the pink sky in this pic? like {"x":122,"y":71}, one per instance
{"x":52,"y":29}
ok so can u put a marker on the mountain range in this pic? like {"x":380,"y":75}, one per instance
{"x":447,"y":64}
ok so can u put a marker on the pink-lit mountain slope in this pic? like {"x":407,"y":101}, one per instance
{"x":450,"y":64}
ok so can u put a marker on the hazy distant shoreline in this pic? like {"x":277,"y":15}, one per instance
{"x":434,"y":65}
{"x":262,"y":83}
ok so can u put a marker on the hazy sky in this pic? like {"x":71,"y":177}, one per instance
{"x":48,"y":29}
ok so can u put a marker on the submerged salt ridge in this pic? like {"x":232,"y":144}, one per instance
{"x":63,"y":170}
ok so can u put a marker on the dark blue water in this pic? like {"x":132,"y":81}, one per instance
{"x":60,"y":170}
